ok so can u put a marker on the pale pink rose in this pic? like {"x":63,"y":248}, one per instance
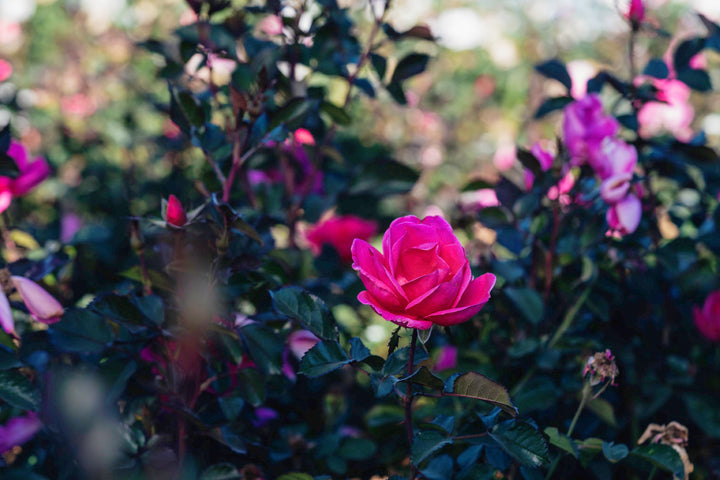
{"x":5,"y":70}
{"x":78,"y":105}
{"x":707,"y":319}
{"x":478,"y":199}
{"x":614,"y":189}
{"x":504,"y":157}
{"x":42,"y":306}
{"x":340,"y":232}
{"x":585,"y":126}
{"x":672,"y":114}
{"x":271,"y":25}
{"x":422,"y":277}
{"x":447,"y":359}
{"x":624,"y":216}
{"x":10,"y":33}
{"x":18,"y":430}
{"x":614,"y":158}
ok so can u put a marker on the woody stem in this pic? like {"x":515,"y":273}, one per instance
{"x":409,"y":399}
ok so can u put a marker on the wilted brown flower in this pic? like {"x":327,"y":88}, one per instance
{"x":601,"y":367}
{"x":673,"y":434}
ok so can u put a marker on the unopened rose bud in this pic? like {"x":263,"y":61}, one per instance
{"x":175,"y":213}
{"x":42,"y":306}
{"x":636,"y":11}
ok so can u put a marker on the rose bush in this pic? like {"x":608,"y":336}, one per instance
{"x":422,"y":277}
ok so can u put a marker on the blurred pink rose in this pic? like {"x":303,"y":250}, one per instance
{"x":672,"y":114}
{"x":614,"y":158}
{"x":614,"y":189}
{"x":5,"y":70}
{"x":301,"y":167}
{"x":42,"y":306}
{"x":31,"y":174}
{"x":504,"y":158}
{"x":585,"y":126}
{"x":422,"y":278}
{"x":478,"y":199}
{"x":636,"y":11}
{"x":271,"y":25}
{"x":340,"y":232}
{"x":18,"y":430}
{"x":447,"y":359}
{"x":580,"y":72}
{"x":624,"y":216}
{"x":707,"y":319}
{"x":78,"y":105}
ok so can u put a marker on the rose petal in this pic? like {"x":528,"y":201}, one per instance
{"x":441,"y":297}
{"x":42,"y":306}
{"x":370,"y":264}
{"x":6,"y":318}
{"x":397,"y":318}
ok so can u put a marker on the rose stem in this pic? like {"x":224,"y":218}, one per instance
{"x":587,"y":389}
{"x":408,"y":401}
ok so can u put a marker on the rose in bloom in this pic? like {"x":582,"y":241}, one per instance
{"x":339,"y":232}
{"x":31,"y":174}
{"x":707,"y":319}
{"x":624,"y":216}
{"x":18,"y":430}
{"x":585,"y":126}
{"x":422,"y":277}
{"x":672,"y":113}
{"x":175,"y":213}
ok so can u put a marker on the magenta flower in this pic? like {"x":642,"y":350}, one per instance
{"x":636,"y":11}
{"x":672,"y":113}
{"x":175,"y":213}
{"x":447,"y":359}
{"x":18,"y":430}
{"x":31,"y":174}
{"x":42,"y":306}
{"x":339,"y":232}
{"x":615,"y":157}
{"x":624,"y":216}
{"x":585,"y":126}
{"x":422,"y":277}
{"x":5,"y":70}
{"x":707,"y":319}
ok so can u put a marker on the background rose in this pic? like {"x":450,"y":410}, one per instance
{"x":707,"y":319}
{"x":339,"y":232}
{"x":422,"y":278}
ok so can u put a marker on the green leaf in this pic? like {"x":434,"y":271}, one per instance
{"x":656,"y":68}
{"x":478,"y":386}
{"x":562,"y":441}
{"x":552,"y":104}
{"x":556,"y":70}
{"x":358,"y":350}
{"x":527,"y":301}
{"x":135,"y":313}
{"x":662,"y":456}
{"x":685,"y":51}
{"x":307,"y":309}
{"x":264,"y":346}
{"x":603,"y":409}
{"x":17,"y":390}
{"x":614,"y":453}
{"x":357,"y":449}
{"x":438,"y":468}
{"x":529,"y":161}
{"x":522,"y":441}
{"x":397,"y":362}
{"x":251,"y":386}
{"x":424,"y":377}
{"x":696,"y":79}
{"x":395,"y":89}
{"x":221,"y":471}
{"x":338,"y":115}
{"x":379,"y":63}
{"x":410,"y":66}
{"x":293,"y":112}
{"x":705,"y":412}
{"x":295,"y":476}
{"x":425,"y":443}
{"x":81,"y":331}
{"x":323,"y":358}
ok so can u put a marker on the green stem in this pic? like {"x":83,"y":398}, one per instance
{"x":586,"y":391}
{"x":652,"y":472}
{"x":409,"y":399}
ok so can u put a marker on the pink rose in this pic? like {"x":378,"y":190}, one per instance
{"x":614,"y":158}
{"x":707,"y":320}
{"x":614,"y":189}
{"x":544,"y":157}
{"x":624,"y":216}
{"x":585,"y":126}
{"x":31,"y":174}
{"x":339,"y":232}
{"x":672,"y":113}
{"x":636,"y":11}
{"x":18,"y":430}
{"x":504,"y":157}
{"x":422,"y":278}
{"x":447,"y":359}
{"x":479,"y":199}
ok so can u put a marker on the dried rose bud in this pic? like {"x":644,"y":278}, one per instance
{"x":674,"y":434}
{"x":601,"y":367}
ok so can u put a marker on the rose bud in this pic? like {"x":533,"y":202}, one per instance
{"x":422,"y":277}
{"x":42,"y":306}
{"x":175,"y":213}
{"x":707,"y":319}
{"x":624,"y":216}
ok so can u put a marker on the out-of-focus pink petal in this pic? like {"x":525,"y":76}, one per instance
{"x":18,"y":430}
{"x":6,"y":318}
{"x":300,"y":341}
{"x":447,"y":359}
{"x":42,"y":306}
{"x":30,"y":177}
{"x":614,"y":189}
